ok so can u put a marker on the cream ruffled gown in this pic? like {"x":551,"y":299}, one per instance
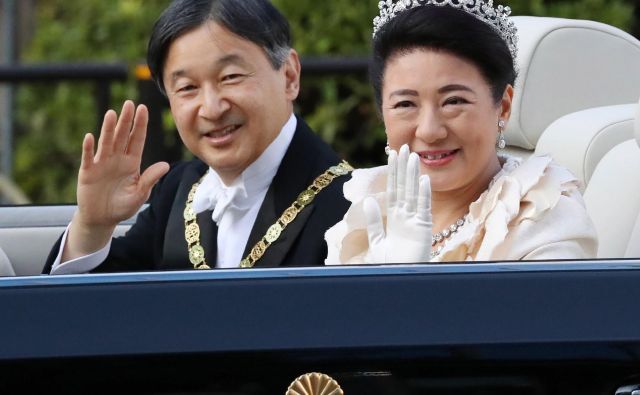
{"x":532,"y":210}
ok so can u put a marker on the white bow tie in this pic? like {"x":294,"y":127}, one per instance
{"x":213,"y":195}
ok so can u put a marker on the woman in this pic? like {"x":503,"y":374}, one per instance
{"x":443,"y":74}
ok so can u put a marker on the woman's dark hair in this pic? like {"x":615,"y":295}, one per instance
{"x":444,"y":29}
{"x":255,"y":20}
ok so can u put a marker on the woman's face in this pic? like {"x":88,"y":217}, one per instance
{"x":442,"y":107}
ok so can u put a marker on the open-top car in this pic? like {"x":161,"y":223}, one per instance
{"x":546,"y":327}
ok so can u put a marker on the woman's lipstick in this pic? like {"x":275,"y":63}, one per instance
{"x":438,"y":158}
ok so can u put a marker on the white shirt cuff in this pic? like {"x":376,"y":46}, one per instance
{"x":81,"y":265}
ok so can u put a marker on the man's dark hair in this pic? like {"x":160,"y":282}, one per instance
{"x":444,"y":29}
{"x":255,"y":20}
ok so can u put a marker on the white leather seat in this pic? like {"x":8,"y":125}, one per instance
{"x":5,"y":266}
{"x":579,"y":140}
{"x":566,"y":66}
{"x":27,"y":234}
{"x":613,"y":198}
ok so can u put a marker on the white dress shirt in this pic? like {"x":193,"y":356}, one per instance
{"x":235,"y":207}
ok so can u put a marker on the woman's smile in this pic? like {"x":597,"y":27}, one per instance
{"x":438,"y":158}
{"x":449,"y":117}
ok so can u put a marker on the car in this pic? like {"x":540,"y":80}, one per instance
{"x":500,"y":328}
{"x":544,"y":327}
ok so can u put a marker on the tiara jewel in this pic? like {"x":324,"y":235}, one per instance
{"x":496,"y":17}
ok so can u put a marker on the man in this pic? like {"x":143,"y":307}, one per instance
{"x":263,"y":188}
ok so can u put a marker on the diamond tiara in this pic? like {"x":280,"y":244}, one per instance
{"x":497,"y":18}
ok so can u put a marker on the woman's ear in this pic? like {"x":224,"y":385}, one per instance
{"x":505,"y":103}
{"x":292,"y":75}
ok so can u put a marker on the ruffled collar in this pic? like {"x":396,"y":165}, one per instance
{"x":520,"y":190}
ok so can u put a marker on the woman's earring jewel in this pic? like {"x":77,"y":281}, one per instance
{"x":387,"y":149}
{"x":501,"y":143}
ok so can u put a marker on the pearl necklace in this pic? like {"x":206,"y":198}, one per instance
{"x":444,"y":234}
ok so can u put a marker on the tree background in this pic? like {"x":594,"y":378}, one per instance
{"x":52,"y":118}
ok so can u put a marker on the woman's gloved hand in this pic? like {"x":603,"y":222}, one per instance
{"x":407,"y":237}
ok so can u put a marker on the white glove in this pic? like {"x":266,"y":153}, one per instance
{"x":408,"y":232}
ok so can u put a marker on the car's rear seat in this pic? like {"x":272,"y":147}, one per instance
{"x":566,"y":66}
{"x":6,"y":269}
{"x":27,"y":234}
{"x":613,"y":198}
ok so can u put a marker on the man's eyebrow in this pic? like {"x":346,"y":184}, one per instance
{"x":455,"y":87}
{"x":223,"y":61}
{"x":230,"y":59}
{"x":177,"y":74}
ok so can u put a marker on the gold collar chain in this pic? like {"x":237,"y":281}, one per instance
{"x":192,"y":230}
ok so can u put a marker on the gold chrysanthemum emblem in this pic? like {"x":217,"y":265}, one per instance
{"x":314,"y":384}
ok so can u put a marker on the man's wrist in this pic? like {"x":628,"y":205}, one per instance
{"x":85,"y":239}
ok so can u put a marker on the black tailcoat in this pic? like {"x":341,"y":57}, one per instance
{"x":156,"y":241}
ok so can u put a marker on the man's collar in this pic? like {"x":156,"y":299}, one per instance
{"x":255,"y":179}
{"x":266,"y":166}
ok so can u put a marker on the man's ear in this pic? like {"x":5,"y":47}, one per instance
{"x":292,"y":74}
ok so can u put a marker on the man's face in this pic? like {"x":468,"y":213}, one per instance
{"x":227,"y":100}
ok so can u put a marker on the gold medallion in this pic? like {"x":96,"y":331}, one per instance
{"x":258,"y":250}
{"x":188,"y":213}
{"x":305,"y":197}
{"x":245,"y":263}
{"x":196,"y":254}
{"x":341,"y":169}
{"x":192,"y":233}
{"x":322,"y":181}
{"x":289,"y":215}
{"x":273,"y":233}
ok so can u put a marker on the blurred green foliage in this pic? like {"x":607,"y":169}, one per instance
{"x":52,"y":118}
